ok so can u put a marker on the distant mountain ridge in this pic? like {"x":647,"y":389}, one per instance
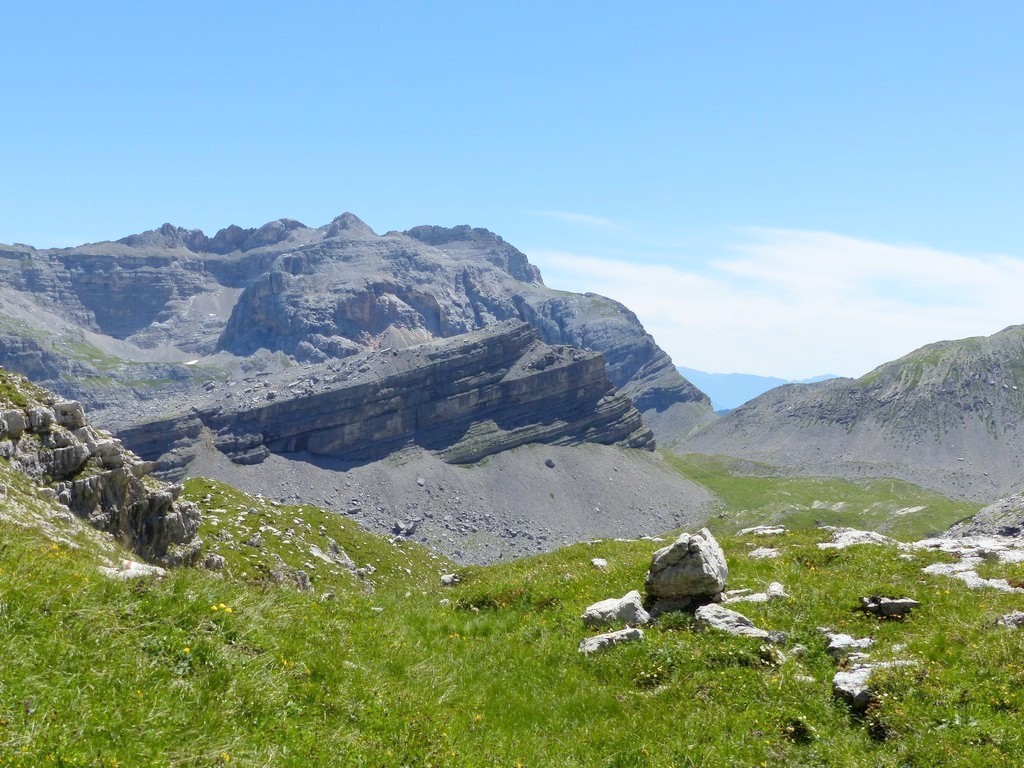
{"x":731,"y":390}
{"x":948,"y":416}
{"x":171,"y":295}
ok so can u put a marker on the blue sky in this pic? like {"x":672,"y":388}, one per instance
{"x":778,"y":188}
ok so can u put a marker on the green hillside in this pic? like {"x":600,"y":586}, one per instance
{"x":752,"y":493}
{"x":205,"y":669}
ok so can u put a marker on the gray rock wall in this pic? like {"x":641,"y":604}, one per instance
{"x":463,"y":398}
{"x":52,"y":443}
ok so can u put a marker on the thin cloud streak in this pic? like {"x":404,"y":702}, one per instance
{"x":797,"y":304}
{"x":580,"y":219}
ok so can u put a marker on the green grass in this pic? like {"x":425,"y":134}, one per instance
{"x":752,"y":494}
{"x":18,"y":392}
{"x":102,"y":673}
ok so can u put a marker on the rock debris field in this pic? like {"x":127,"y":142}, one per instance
{"x":690,"y":575}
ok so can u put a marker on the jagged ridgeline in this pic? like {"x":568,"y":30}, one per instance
{"x":111,"y":323}
{"x":946,"y":416}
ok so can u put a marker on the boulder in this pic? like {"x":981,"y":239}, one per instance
{"x":850,"y":537}
{"x":596,"y":643}
{"x":450,"y":579}
{"x":1014,"y":620}
{"x":69,"y":414}
{"x":764,"y":553}
{"x":40,"y":418}
{"x":214,"y":562}
{"x":717,"y":617}
{"x":887,"y":607}
{"x":851,"y":685}
{"x":129,"y":569}
{"x":692,"y":568}
{"x":764,"y":530}
{"x":840,"y":646}
{"x":775,"y":591}
{"x":626,"y":609}
{"x":15,"y":422}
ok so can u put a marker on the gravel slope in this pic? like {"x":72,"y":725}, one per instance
{"x":509,"y":505}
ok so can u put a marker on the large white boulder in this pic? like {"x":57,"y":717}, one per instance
{"x":617,"y":610}
{"x":693,"y":567}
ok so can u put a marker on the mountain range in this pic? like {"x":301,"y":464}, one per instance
{"x":298,"y":361}
{"x":947,"y":416}
{"x":187,"y":343}
{"x":731,"y":390}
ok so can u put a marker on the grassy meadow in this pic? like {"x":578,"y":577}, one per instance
{"x":233,"y":668}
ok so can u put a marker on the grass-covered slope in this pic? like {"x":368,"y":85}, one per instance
{"x":754,"y":494}
{"x":204,"y":669}
{"x":945,"y":416}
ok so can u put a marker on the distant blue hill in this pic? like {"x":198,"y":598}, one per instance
{"x":731,"y":390}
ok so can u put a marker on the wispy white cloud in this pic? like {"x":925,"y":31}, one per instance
{"x":796,"y":303}
{"x":579,"y":219}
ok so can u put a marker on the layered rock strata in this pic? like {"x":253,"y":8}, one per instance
{"x":90,"y":472}
{"x":464,"y":399}
{"x":317,"y":294}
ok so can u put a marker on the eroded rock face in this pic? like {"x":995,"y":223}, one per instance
{"x":692,"y":568}
{"x":1002,"y":518}
{"x":99,"y":480}
{"x":317,"y":294}
{"x":464,"y":398}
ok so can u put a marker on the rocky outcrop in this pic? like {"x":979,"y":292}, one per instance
{"x":331,"y":292}
{"x":464,"y":399}
{"x":1001,"y":518}
{"x":947,"y":416}
{"x":52,"y":443}
{"x":593,"y":644}
{"x":852,"y":685}
{"x":714,"y":616}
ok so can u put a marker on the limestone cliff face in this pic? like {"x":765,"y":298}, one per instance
{"x":463,"y":398}
{"x":330,"y":292}
{"x":51,"y":442}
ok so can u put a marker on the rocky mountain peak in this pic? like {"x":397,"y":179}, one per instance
{"x":166,"y":236}
{"x":350,"y":225}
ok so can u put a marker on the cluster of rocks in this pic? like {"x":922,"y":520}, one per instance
{"x":973,"y":551}
{"x":689,"y":573}
{"x":91,"y":474}
{"x":692,"y":571}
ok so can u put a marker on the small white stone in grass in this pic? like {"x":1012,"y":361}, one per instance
{"x":628,"y":635}
{"x":599,"y":562}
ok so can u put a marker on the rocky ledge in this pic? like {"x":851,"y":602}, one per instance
{"x":51,"y":442}
{"x":463,"y":398}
